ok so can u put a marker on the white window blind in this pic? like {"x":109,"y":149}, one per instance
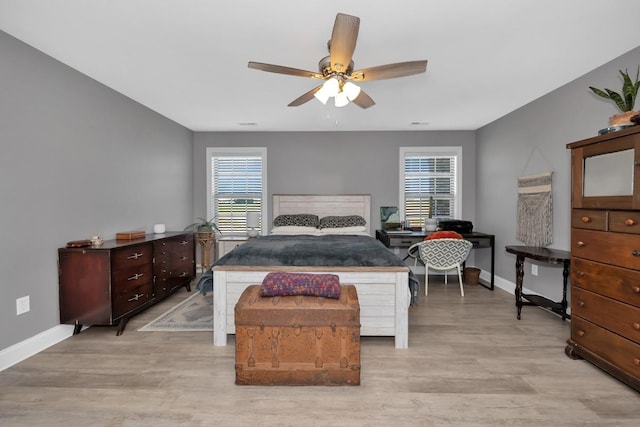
{"x":429,"y":180}
{"x":237,"y":186}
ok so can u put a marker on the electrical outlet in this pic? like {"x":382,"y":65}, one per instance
{"x":22,"y":305}
{"x":534,"y":269}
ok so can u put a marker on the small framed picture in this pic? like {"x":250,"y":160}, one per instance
{"x":389,"y":217}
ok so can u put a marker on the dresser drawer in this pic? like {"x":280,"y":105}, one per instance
{"x":131,"y":256}
{"x":624,"y":222}
{"x":619,"y":351}
{"x":403,"y":242}
{"x":161,"y":267}
{"x":613,"y":315}
{"x":127,"y":278}
{"x":130,"y":298}
{"x":175,"y":244}
{"x":182,"y":257}
{"x":589,"y":219}
{"x":610,"y":248}
{"x":618,"y":283}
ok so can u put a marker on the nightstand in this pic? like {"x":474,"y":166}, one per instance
{"x":227,"y":244}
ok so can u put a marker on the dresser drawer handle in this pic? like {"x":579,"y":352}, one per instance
{"x":636,"y":289}
{"x":136,"y":297}
{"x":135,"y":255}
{"x":629,"y":222}
{"x":636,"y":326}
{"x":581,"y":243}
{"x":580,"y":273}
{"x":184,"y":274}
{"x":184,"y":258}
{"x":586,"y":219}
{"x":184,"y":243}
{"x":635,"y":252}
{"x":581,"y":304}
{"x":580,"y":333}
{"x":135,"y":276}
{"x":636,"y":361}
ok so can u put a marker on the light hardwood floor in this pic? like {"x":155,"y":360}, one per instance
{"x":469,"y":363}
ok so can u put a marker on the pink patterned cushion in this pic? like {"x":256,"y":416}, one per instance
{"x":282,"y":284}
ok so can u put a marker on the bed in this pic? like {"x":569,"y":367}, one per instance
{"x":382,"y":282}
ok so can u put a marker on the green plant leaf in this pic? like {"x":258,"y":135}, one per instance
{"x":626,"y":101}
{"x":628,"y":91}
{"x":600,"y":92}
{"x":615,"y":97}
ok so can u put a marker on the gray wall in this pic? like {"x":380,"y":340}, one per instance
{"x":336,"y":163}
{"x":78,"y":159}
{"x":533,"y":139}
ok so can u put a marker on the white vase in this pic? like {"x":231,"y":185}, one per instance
{"x":430,"y":224}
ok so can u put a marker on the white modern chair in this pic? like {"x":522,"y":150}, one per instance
{"x":443,"y":255}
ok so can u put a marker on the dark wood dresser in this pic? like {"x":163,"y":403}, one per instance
{"x":108,"y":284}
{"x":605,"y":253}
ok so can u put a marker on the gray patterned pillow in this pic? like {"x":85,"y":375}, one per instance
{"x":300,"y":220}
{"x":342,"y":221}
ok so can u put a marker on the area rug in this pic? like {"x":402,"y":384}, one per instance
{"x":193,"y":314}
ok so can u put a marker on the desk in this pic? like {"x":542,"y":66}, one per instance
{"x":549,"y":256}
{"x":406,"y":239}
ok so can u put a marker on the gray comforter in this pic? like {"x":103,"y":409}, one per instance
{"x":304,"y":250}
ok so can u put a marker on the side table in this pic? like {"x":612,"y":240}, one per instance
{"x":549,"y":256}
{"x":207,"y":240}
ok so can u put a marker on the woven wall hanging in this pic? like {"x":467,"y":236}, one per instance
{"x":535,"y":210}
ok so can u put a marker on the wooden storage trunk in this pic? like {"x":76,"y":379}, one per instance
{"x":297,"y":340}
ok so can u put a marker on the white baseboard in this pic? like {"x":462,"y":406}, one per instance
{"x":34,"y":345}
{"x":499,"y":282}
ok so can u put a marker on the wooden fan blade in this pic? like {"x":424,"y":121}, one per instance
{"x":284,"y":70}
{"x":304,"y":98}
{"x":363,"y":100}
{"x":343,"y":41}
{"x":389,"y":71}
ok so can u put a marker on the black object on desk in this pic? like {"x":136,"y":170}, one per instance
{"x":405,"y":239}
{"x":549,"y":256}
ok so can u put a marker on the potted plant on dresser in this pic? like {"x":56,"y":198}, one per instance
{"x":625,"y":101}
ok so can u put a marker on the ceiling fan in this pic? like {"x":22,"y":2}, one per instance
{"x":337,"y":69}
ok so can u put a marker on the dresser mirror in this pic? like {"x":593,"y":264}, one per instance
{"x":609,"y":174}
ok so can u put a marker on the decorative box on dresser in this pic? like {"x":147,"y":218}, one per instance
{"x":108,"y":284}
{"x":605,"y":253}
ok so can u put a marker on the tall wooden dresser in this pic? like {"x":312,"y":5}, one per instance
{"x":605,"y":253}
{"x":108,"y":284}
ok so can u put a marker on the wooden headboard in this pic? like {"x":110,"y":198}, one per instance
{"x":324,"y":205}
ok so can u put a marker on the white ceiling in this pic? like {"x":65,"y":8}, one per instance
{"x":187,"y":59}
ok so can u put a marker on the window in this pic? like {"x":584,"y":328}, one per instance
{"x":430,"y":175}
{"x":236,"y":184}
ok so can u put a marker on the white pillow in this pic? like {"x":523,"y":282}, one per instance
{"x":358,"y":229}
{"x":294,"y":229}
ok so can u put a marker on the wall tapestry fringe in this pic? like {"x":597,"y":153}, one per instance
{"x":535,"y":210}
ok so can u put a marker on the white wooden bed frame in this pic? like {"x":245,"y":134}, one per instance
{"x":382,"y":291}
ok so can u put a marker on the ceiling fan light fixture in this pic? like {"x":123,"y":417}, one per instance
{"x":351,"y":90}
{"x":341,"y":99}
{"x":321,"y":95}
{"x":337,"y":69}
{"x":331,"y":86}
